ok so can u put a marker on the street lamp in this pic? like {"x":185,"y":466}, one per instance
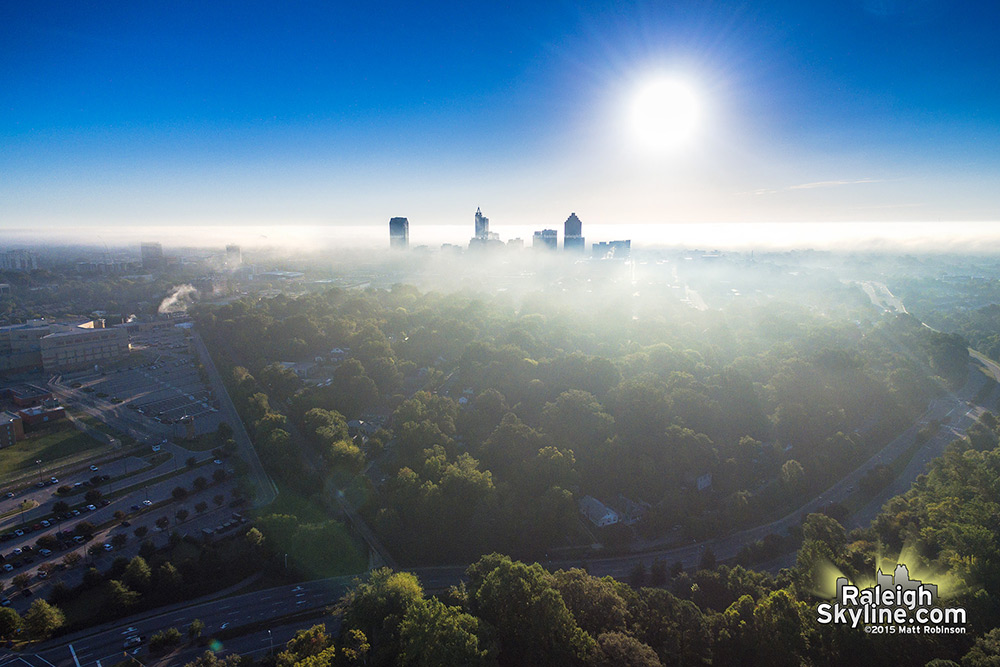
{"x":270,"y":641}
{"x":38,"y":467}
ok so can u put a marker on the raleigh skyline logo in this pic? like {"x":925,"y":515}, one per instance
{"x":896,"y":604}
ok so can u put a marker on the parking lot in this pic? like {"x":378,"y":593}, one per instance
{"x":161,"y":393}
{"x":36,"y":541}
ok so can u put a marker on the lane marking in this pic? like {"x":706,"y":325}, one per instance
{"x":73,"y":653}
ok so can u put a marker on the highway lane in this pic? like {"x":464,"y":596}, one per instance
{"x":259,"y":606}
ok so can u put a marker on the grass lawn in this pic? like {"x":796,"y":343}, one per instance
{"x":48,"y":444}
{"x":325,"y":548}
{"x":288,"y":502}
{"x":98,"y":425}
{"x":202,"y":443}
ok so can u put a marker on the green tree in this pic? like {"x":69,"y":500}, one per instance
{"x":121,"y":597}
{"x":168,"y":579}
{"x":533,"y":624}
{"x":137,"y":575}
{"x":43,"y":619}
{"x":377,"y":608}
{"x":165,"y":639}
{"x":195,"y":629}
{"x":595,"y":602}
{"x":617,"y":649}
{"x":307,"y":644}
{"x":434,"y":634}
{"x":577,"y":421}
{"x":10,"y":622}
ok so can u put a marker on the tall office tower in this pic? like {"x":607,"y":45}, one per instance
{"x":546,"y":239}
{"x":152,"y":256}
{"x":234,"y":257}
{"x":399,"y":233}
{"x":482,"y":225}
{"x":572,"y":234}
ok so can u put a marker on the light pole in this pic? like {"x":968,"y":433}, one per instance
{"x":38,"y":467}
{"x":270,"y":642}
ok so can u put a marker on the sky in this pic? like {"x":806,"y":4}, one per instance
{"x":119,"y":115}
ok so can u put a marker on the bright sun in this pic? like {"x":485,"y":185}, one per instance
{"x":665,"y":114}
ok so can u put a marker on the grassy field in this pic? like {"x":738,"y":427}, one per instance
{"x":98,"y":425}
{"x":323,"y":548}
{"x":201,"y":443}
{"x":48,"y":445}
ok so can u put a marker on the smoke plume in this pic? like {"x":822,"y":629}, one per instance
{"x":178,"y":300}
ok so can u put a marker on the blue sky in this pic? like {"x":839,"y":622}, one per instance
{"x":335,"y":113}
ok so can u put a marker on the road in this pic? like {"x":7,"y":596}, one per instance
{"x":266,"y":489}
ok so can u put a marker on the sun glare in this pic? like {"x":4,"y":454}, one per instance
{"x":665,"y":114}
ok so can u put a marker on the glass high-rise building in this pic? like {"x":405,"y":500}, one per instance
{"x":399,"y":233}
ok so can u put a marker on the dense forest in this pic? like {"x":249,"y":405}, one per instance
{"x":499,"y":414}
{"x":514,"y":613}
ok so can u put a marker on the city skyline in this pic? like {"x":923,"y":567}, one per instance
{"x":253,"y":115}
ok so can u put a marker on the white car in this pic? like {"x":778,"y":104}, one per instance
{"x":91,"y":508}
{"x":93,"y":468}
{"x":156,"y":448}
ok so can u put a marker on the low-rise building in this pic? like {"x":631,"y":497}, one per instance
{"x":73,"y":347}
{"x":25,"y":395}
{"x":11,"y":429}
{"x":599,"y":514}
{"x":629,"y":512}
{"x":41,"y":415}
